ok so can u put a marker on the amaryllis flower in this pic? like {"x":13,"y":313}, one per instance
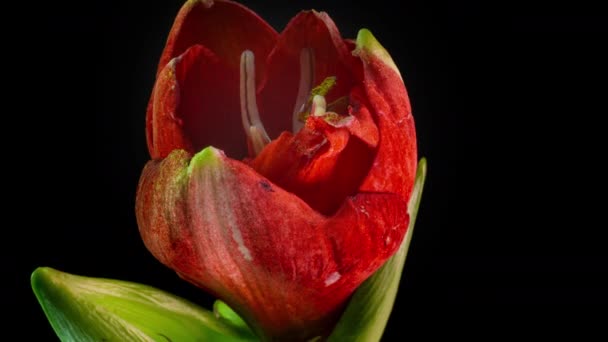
{"x":282,"y":164}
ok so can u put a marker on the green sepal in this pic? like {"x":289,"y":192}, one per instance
{"x":368,"y":311}
{"x":94,"y":309}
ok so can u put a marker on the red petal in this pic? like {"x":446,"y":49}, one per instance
{"x":224,"y":27}
{"x":194,"y":104}
{"x":395,"y":164}
{"x":309,"y":29}
{"x":164,"y":129}
{"x":368,"y":227}
{"x":364,"y":127}
{"x":286,"y":269}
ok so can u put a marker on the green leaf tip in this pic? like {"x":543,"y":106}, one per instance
{"x":94,"y":309}
{"x":368,"y":311}
{"x":367,"y":46}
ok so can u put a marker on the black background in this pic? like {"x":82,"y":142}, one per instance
{"x":508,"y":102}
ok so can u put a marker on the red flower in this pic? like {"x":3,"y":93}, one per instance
{"x":283,"y":230}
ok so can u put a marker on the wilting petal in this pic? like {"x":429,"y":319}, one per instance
{"x":195,"y":101}
{"x":394,"y":167}
{"x":284,"y":267}
{"x":330,"y":57}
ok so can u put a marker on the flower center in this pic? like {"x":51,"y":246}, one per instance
{"x":309,"y":100}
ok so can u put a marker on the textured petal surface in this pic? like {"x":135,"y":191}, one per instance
{"x":394,"y":167}
{"x":164,"y":129}
{"x":284,"y":267}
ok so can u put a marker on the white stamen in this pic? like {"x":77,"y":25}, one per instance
{"x":307,"y":70}
{"x":259,"y":139}
{"x":250,"y":116}
{"x":318,"y":106}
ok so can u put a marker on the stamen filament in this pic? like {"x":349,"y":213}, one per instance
{"x":250,"y":116}
{"x":258,"y":138}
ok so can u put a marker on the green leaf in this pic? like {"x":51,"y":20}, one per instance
{"x":367,"y":313}
{"x":225,"y":314}
{"x":94,"y":309}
